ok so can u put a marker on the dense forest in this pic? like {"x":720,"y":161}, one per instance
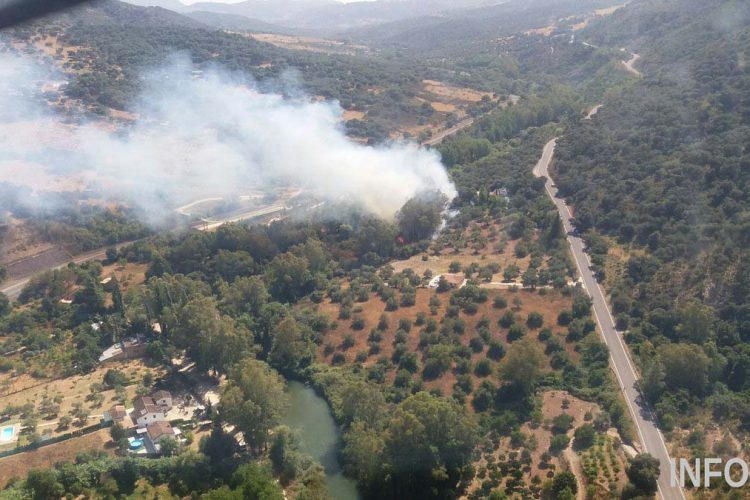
{"x":661,"y":172}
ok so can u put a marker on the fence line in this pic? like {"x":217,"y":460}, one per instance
{"x":57,"y":439}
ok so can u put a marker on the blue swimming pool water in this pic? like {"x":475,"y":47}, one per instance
{"x":136,"y":443}
{"x":6,"y":434}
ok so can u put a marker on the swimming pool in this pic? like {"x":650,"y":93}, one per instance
{"x":136,"y":444}
{"x":6,"y":433}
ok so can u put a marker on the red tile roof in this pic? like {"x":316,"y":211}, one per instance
{"x":157,"y":430}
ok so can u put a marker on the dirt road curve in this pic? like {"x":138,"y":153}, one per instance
{"x":593,"y":111}
{"x":629,"y":65}
{"x":627,"y":377}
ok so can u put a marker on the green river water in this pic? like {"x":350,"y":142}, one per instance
{"x":310,"y":414}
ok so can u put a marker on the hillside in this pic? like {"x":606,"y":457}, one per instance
{"x":331,"y":16}
{"x":659,"y":176}
{"x":476,"y":29}
{"x":236,"y":22}
{"x":105,"y":48}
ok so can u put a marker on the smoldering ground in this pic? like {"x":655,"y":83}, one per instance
{"x":218,"y":134}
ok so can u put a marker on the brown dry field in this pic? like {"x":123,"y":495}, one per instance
{"x":439,"y":264}
{"x":310,"y":44}
{"x":597,"y":13}
{"x":445,"y":91}
{"x":442,"y":107}
{"x":609,"y":10}
{"x":76,"y":388}
{"x":36,"y":177}
{"x":122,"y":115}
{"x":49,"y":45}
{"x":132,"y":274}
{"x":19,"y":242}
{"x":581,"y":25}
{"x":549,"y":305}
{"x":351,"y":114}
{"x":47,"y":456}
{"x":490,"y":231}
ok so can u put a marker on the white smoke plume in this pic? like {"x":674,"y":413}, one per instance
{"x":219,"y":135}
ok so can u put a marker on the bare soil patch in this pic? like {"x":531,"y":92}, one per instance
{"x":47,"y":456}
{"x":25,"y":389}
{"x":310,"y":44}
{"x":445,"y":91}
{"x":351,"y":114}
{"x":129,"y":275}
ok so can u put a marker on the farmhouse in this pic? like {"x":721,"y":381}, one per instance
{"x":146,"y":411}
{"x":133,"y":347}
{"x":163,"y":398}
{"x":156,"y":432}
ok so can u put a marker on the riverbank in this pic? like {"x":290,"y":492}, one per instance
{"x":311,"y":415}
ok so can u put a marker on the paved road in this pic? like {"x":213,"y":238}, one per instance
{"x":650,"y":437}
{"x":467,"y":122}
{"x":438,"y":138}
{"x":210,"y":224}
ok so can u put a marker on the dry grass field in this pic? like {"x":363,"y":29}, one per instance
{"x":549,"y":305}
{"x":25,"y":389}
{"x":481,"y":244}
{"x":45,"y":457}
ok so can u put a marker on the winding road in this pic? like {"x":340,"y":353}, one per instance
{"x":627,"y":376}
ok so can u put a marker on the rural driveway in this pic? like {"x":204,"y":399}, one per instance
{"x":627,"y":377}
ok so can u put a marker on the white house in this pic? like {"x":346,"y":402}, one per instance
{"x":146,"y":411}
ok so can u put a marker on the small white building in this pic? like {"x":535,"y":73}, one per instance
{"x":115,"y":414}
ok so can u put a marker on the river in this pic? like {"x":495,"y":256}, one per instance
{"x":311,"y":416}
